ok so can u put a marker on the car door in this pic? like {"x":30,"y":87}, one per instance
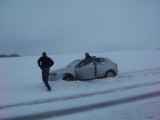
{"x":85,"y":70}
{"x":101,"y":67}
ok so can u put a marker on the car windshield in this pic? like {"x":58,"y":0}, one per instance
{"x":74,"y":63}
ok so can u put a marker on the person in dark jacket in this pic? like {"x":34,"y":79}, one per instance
{"x":87,"y":56}
{"x":45,"y":62}
{"x":87,"y":59}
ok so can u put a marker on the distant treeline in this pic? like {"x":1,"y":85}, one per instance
{"x":11,"y":55}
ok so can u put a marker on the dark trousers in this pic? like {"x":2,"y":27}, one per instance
{"x":45,"y":75}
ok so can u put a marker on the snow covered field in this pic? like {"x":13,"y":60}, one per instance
{"x":133,"y":95}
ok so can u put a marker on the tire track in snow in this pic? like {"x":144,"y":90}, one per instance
{"x":80,"y":95}
{"x":63,"y":112}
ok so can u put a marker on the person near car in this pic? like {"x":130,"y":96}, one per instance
{"x":87,"y":56}
{"x":45,"y":62}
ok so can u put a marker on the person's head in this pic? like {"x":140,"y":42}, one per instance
{"x":44,"y":54}
{"x":87,"y":54}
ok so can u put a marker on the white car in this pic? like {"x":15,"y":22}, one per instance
{"x":84,"y":69}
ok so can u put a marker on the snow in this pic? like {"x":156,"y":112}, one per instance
{"x":132,"y":95}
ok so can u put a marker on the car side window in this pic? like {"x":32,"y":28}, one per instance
{"x":85,"y":62}
{"x":100,"y":61}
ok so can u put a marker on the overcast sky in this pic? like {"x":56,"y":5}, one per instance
{"x":29,"y":27}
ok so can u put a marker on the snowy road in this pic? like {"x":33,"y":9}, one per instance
{"x":85,"y":108}
{"x":124,"y":90}
{"x":119,"y":78}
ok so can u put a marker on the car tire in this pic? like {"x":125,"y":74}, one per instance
{"x":68,"y":77}
{"x":110,"y":73}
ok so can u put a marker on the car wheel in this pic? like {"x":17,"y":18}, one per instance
{"x":68,"y":77}
{"x":110,"y":73}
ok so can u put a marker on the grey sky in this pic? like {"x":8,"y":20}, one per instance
{"x":29,"y":27}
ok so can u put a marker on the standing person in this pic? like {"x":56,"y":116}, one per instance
{"x":87,"y":56}
{"x":45,"y":62}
